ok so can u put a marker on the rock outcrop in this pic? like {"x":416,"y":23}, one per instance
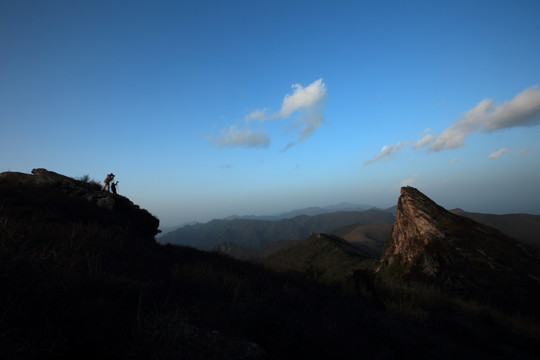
{"x":46,"y":190}
{"x":43,"y":177}
{"x":430,"y":243}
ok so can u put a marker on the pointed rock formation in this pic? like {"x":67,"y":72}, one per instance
{"x":430,"y":243}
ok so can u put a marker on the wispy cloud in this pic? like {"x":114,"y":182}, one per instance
{"x":499,"y":152}
{"x":308,"y":98}
{"x":426,"y":139}
{"x":486,"y":116}
{"x":288,"y":146}
{"x":525,"y":150}
{"x":387,"y":152}
{"x":237,"y":137}
{"x":454,"y":160}
{"x":307,"y":102}
{"x":226,"y":166}
{"x":257,"y":115}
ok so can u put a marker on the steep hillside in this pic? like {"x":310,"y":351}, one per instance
{"x":459,"y":254}
{"x":522,"y":227}
{"x":322,"y":257}
{"x":82,"y":277}
{"x":257,"y":233}
{"x":241,"y":253}
{"x":370,"y":237}
{"x":55,"y":204}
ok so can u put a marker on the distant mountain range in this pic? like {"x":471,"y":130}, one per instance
{"x":309,"y":211}
{"x":253,"y":234}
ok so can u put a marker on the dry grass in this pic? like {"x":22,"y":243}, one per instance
{"x":78,"y":282}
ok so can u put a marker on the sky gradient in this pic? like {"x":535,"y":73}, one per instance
{"x":205,"y":109}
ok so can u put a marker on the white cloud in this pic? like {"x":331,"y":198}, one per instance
{"x":236,"y":137}
{"x":525,"y":150}
{"x":426,"y":139}
{"x":486,"y":116}
{"x":499,"y":152}
{"x":387,"y":152}
{"x":307,"y":100}
{"x":455,"y":160}
{"x":259,"y":115}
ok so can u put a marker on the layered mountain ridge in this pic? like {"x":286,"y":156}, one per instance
{"x":253,"y":234}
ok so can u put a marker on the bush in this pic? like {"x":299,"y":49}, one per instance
{"x":90,"y":184}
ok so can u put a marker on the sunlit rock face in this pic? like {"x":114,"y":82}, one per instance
{"x":430,"y":243}
{"x":419,"y":222}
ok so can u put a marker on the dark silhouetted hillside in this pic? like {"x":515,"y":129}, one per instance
{"x":322,"y":257}
{"x":240,"y":253}
{"x":81,"y":276}
{"x":369,"y":237}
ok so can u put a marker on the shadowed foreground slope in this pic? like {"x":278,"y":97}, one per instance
{"x":83,"y":278}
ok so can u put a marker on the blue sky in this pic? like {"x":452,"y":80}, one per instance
{"x":205,"y":109}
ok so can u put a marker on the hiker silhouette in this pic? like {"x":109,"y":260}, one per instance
{"x":113,"y":187}
{"x":107,"y":182}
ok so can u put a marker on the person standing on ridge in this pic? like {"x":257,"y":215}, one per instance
{"x":113,"y":187}
{"x":107,"y":182}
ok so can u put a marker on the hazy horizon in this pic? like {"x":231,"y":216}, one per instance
{"x":224,"y":215}
{"x":208,"y":109}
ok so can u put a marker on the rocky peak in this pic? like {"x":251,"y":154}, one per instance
{"x":419,"y":221}
{"x":428,"y":242}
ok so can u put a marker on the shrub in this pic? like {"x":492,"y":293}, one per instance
{"x":90,"y":184}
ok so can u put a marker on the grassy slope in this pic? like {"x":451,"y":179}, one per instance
{"x":77,"y":283}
